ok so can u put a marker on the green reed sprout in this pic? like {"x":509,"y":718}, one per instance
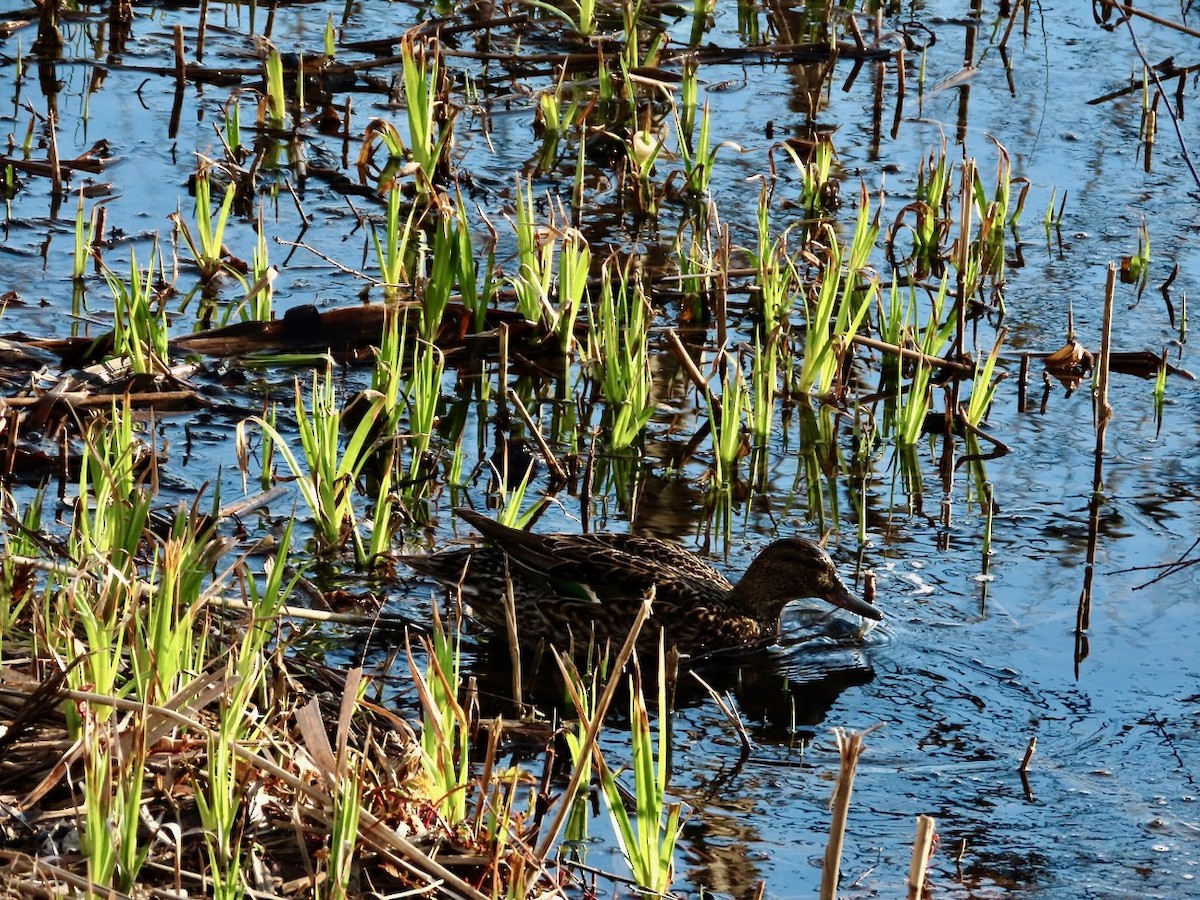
{"x":330,"y":38}
{"x":648,"y":838}
{"x":618,"y":345}
{"x":206,"y":246}
{"x":139,"y":332}
{"x":272,"y":111}
{"x":326,"y":480}
{"x":84,"y":239}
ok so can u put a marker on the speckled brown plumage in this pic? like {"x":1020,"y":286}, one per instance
{"x":571,"y":587}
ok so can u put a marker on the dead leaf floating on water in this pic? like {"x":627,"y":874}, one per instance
{"x":1071,"y":359}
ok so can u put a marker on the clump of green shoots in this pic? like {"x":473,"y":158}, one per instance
{"x":574,"y":265}
{"x":931,"y":341}
{"x":648,"y":838}
{"x":85,"y":238}
{"x":139,"y":330}
{"x":817,"y":189}
{"x":17,"y":577}
{"x":727,"y":417}
{"x":535,"y":284}
{"x":207,"y":246}
{"x":425,"y":389}
{"x":843,"y":298}
{"x":930,"y":226}
{"x":698,"y":159}
{"x":475,"y":296}
{"x":535,"y":257}
{"x":327,"y":478}
{"x":618,"y":345}
{"x":394,"y":252}
{"x":430,"y":125}
{"x":258,"y":305}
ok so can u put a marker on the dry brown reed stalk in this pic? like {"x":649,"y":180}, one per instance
{"x":730,"y":712}
{"x":1102,"y":413}
{"x":850,"y":748}
{"x":536,"y":434}
{"x":922,"y":850}
{"x":184,"y":709}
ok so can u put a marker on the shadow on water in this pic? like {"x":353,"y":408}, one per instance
{"x":779,"y":693}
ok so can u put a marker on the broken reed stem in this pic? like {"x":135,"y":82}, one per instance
{"x":850,"y":748}
{"x":1029,"y":751}
{"x":514,"y":640}
{"x":922,"y":849}
{"x":201,"y":27}
{"x":56,"y":177}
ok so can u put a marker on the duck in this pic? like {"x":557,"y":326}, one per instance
{"x":569,"y":588}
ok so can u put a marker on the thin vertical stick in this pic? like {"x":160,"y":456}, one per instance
{"x":922,"y":847}
{"x":1102,"y":413}
{"x":201,"y":27}
{"x":180,"y":81}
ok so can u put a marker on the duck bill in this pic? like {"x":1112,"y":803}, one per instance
{"x":840,"y":596}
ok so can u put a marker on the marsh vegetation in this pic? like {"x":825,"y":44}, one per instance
{"x":285,"y":284}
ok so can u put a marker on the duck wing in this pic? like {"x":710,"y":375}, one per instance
{"x":608,"y":567}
